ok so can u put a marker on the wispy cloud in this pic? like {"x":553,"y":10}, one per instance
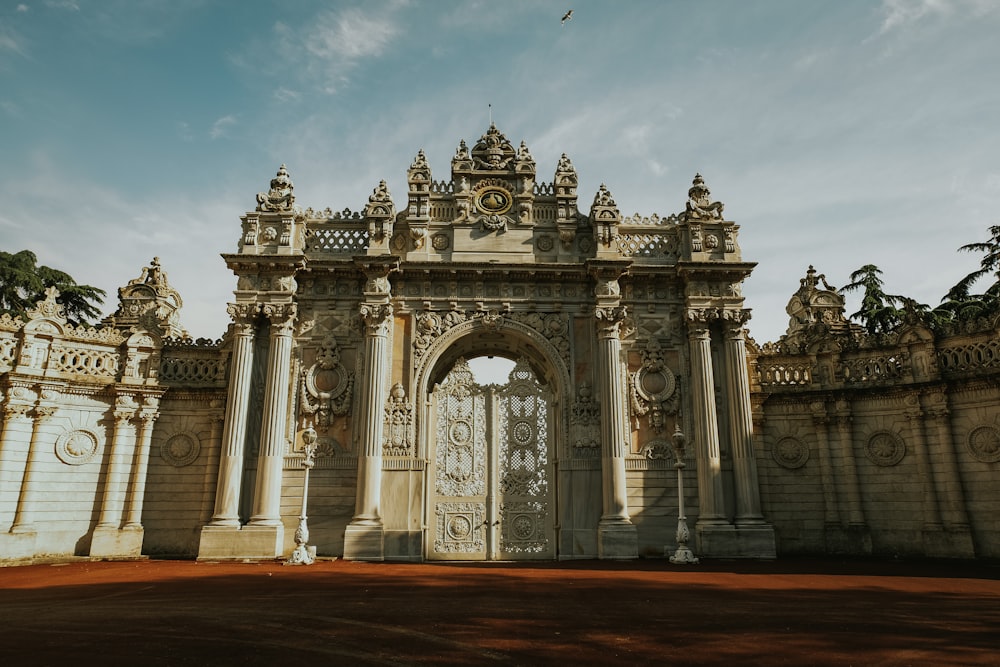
{"x":70,"y":5}
{"x":10,"y":41}
{"x":898,"y":14}
{"x":221,"y":126}
{"x":22,"y":8}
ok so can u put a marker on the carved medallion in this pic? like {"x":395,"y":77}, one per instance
{"x":790,"y":453}
{"x":180,"y":449}
{"x":984,"y":444}
{"x":885,"y":449}
{"x":77,"y":447}
{"x":494,"y":200}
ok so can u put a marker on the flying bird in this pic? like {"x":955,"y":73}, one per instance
{"x":566,"y":17}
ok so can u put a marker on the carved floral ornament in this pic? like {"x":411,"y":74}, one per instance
{"x":398,"y":423}
{"x":790,"y":453}
{"x":984,"y":443}
{"x":885,"y":448}
{"x":78,"y":446}
{"x":653,"y":388}
{"x":181,"y":449}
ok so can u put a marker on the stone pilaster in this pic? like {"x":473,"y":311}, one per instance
{"x":856,"y":537}
{"x":955,"y":541}
{"x":364,"y":537}
{"x":17,"y":427}
{"x":27,"y":504}
{"x":106,"y":541}
{"x":617,"y":536}
{"x":266,"y":515}
{"x":137,"y":494}
{"x":821,"y":424}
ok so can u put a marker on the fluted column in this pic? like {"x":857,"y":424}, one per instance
{"x":267,"y":495}
{"x":27,"y":504}
{"x":747,"y":485}
{"x":377,"y":319}
{"x":147,"y":417}
{"x":114,"y":499}
{"x":706,"y":420}
{"x":17,"y":426}
{"x":227,"y":493}
{"x":821,"y":422}
{"x":615,"y":436}
{"x":915,"y":417}
{"x":855,"y":514}
{"x":949,"y":483}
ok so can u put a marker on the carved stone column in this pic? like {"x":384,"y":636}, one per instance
{"x":273,"y":439}
{"x":27,"y":504}
{"x":821,"y":423}
{"x":617,"y":536}
{"x":956,"y":540}
{"x":17,"y":427}
{"x":106,"y":539}
{"x":915,"y":417}
{"x":857,"y":536}
{"x":227,"y":493}
{"x":706,"y":421}
{"x":148,"y":415}
{"x":364,"y":536}
{"x":747,"y":485}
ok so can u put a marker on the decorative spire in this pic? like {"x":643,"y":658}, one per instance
{"x":279,"y":197}
{"x":699,"y":204}
{"x":420,"y":162}
{"x":493,"y":152}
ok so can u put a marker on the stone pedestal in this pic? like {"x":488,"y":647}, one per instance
{"x":617,"y":541}
{"x":246,"y":542}
{"x":109,"y":542}
{"x":942,"y":542}
{"x":14,"y":546}
{"x":729,"y":541}
{"x":363,"y":542}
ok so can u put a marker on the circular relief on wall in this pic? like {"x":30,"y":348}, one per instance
{"x":790,"y":453}
{"x":460,"y":432}
{"x":655,"y":384}
{"x":545,"y":243}
{"x":180,"y":449}
{"x":885,"y":449}
{"x":523,"y":527}
{"x":459,"y":527}
{"x":984,"y":444}
{"x":77,"y":447}
{"x":440,"y":241}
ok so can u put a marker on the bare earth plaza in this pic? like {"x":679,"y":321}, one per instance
{"x":640,"y":429}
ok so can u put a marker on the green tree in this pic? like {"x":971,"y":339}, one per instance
{"x":879,"y":312}
{"x":959,"y":304}
{"x":23,"y":283}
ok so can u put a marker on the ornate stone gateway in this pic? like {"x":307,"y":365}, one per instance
{"x":491,"y":466}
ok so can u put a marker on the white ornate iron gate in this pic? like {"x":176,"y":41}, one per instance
{"x":492,"y":494}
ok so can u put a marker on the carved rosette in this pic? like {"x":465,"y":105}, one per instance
{"x":984,"y":444}
{"x":181,"y":449}
{"x":885,"y":449}
{"x":78,"y":446}
{"x":790,"y":453}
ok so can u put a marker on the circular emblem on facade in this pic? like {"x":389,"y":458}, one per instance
{"x":885,"y":449}
{"x":523,"y":433}
{"x":180,"y":449}
{"x":77,"y":447}
{"x":494,"y":199}
{"x":459,"y":527}
{"x":790,"y":453}
{"x":440,"y":241}
{"x":460,"y":432}
{"x":523,"y":527}
{"x":545,"y":243}
{"x":984,"y":444}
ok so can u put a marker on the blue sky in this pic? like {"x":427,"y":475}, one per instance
{"x":837,"y":133}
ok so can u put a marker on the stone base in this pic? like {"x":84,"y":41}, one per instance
{"x":15,"y":546}
{"x":364,"y":542}
{"x":617,"y":541}
{"x":729,"y":541}
{"x":940,"y":542}
{"x":854,"y":540}
{"x":241,"y":542}
{"x":116,"y":543}
{"x":403,"y":545}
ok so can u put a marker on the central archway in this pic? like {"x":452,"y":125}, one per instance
{"x":492,"y":452}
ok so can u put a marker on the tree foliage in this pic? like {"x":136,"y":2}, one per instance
{"x":879,"y":312}
{"x":23,"y":283}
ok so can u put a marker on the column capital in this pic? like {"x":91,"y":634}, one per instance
{"x":734,"y":321}
{"x":282,"y":317}
{"x":376,"y":317}
{"x":44,"y":412}
{"x":243,"y":315}
{"x":16,"y":411}
{"x":609,"y":320}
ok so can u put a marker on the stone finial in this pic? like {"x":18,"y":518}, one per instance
{"x":699,"y":204}
{"x":149,"y":302}
{"x":420,"y":161}
{"x":493,"y":151}
{"x":279,"y":197}
{"x":48,"y":307}
{"x":813,"y":306}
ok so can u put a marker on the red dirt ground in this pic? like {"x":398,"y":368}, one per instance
{"x":786,"y":612}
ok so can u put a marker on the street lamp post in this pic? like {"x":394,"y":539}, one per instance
{"x":683,"y":555}
{"x":302,"y":554}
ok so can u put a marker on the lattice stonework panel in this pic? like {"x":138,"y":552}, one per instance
{"x":524,"y":528}
{"x":460,"y":528}
{"x":523,"y":451}
{"x":461,"y":437}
